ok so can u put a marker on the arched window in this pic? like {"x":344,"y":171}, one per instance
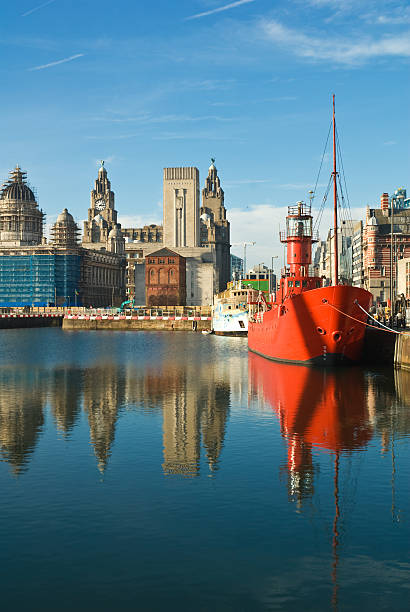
{"x":152,"y":276}
{"x":172,"y":278}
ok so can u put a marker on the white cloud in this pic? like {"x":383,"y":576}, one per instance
{"x":340,"y":50}
{"x":226,"y":7}
{"x":261,"y":223}
{"x":62,"y":61}
{"x":37,"y":8}
{"x":141,"y":220}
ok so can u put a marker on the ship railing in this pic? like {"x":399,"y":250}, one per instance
{"x":284,"y":236}
{"x":301,"y":209}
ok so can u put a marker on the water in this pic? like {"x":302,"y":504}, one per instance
{"x":152,"y":471}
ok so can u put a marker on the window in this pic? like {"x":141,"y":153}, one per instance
{"x":304,"y":283}
{"x":290,"y":283}
{"x":171,"y":260}
{"x":297,"y":283}
{"x":161,"y":261}
{"x":151,"y":261}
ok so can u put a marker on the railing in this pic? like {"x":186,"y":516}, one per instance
{"x":302,"y":209}
{"x":283,"y":236}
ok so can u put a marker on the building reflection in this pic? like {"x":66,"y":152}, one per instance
{"x":194,"y":399}
{"x":22,"y":400}
{"x":195,"y":411}
{"x":103,"y":395}
{"x":65,"y":389}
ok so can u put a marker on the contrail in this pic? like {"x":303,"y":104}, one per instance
{"x":62,"y":61}
{"x":37,"y":8}
{"x":226,"y":7}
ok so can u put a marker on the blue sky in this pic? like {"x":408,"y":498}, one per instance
{"x":145,"y":85}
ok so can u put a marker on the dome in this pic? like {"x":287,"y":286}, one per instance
{"x":115,"y":233}
{"x":65,"y":217}
{"x":16,"y":188}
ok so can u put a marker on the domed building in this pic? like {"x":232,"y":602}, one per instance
{"x":65,"y":230}
{"x":21,"y":220}
{"x":62,"y":272}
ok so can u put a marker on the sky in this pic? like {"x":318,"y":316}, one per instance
{"x":145,"y":85}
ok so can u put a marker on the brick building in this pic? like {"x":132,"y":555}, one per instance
{"x":386,"y":238}
{"x":165,"y":278}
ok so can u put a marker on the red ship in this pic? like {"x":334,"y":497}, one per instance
{"x":308,"y":323}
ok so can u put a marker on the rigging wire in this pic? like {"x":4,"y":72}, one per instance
{"x":323,"y":157}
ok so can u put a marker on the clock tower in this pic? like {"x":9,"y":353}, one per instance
{"x":102,"y":216}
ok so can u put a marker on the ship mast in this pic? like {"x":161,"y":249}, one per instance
{"x":334,"y":174}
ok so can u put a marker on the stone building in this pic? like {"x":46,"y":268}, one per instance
{"x":165,"y":279}
{"x":61,"y":272}
{"x":21,"y":220}
{"x":101,"y":230}
{"x":181,"y":234}
{"x":215,"y":228}
{"x":181,"y":208}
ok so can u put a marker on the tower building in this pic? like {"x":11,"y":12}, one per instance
{"x":21,"y":221}
{"x":215,"y":228}
{"x":102,"y":216}
{"x":181,"y":207}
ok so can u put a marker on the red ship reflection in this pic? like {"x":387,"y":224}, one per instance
{"x":316,"y":408}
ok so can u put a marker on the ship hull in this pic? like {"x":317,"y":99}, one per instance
{"x":313,"y":328}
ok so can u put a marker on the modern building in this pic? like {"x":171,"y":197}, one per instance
{"x":236,"y":267}
{"x":323,"y":265}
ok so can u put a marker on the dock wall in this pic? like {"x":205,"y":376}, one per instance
{"x":402,"y":351}
{"x":25,"y":321}
{"x":138,"y":323}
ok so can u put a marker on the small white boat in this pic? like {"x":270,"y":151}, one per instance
{"x":206,"y":332}
{"x":230,"y":311}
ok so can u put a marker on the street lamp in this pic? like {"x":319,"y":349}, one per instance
{"x":272,"y":275}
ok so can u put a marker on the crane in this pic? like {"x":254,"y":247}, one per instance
{"x":244,"y":245}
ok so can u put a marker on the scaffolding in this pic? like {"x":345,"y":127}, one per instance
{"x":39,"y":279}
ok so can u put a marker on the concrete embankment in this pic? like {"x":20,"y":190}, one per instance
{"x":138,"y":323}
{"x":22,"y":321}
{"x":402,"y":351}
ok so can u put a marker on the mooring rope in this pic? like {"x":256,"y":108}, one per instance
{"x":393,"y":331}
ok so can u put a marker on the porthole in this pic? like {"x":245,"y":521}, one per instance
{"x":320,"y":331}
{"x":337,"y":336}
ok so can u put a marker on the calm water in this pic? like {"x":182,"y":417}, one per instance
{"x":156,"y":471}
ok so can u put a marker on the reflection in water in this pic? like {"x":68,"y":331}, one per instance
{"x":194,"y":409}
{"x":315,"y":407}
{"x":192,"y":405}
{"x":65,"y":393}
{"x":103,"y":394}
{"x":337,"y":410}
{"x":22,"y":401}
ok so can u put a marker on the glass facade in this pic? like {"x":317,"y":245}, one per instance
{"x":39,"y":279}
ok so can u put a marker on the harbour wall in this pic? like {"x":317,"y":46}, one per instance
{"x":138,"y":323}
{"x":24,"y":321}
{"x":402,"y":351}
